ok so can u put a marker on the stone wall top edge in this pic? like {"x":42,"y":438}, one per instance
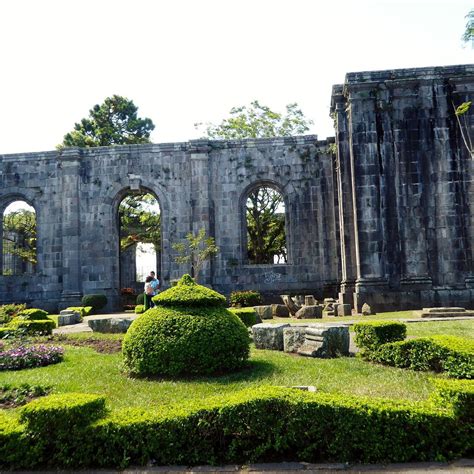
{"x":410,"y":73}
{"x":190,"y":146}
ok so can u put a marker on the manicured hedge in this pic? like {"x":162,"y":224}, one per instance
{"x":84,"y":310}
{"x":245,"y":298}
{"x":257,"y":425}
{"x":370,"y":335}
{"x":247,"y":315}
{"x":450,"y":354}
{"x":139,"y":309}
{"x":187,"y":293}
{"x":33,"y":314}
{"x":33,"y":327}
{"x":97,"y":301}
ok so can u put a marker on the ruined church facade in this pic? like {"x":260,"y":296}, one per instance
{"x":383,"y":213}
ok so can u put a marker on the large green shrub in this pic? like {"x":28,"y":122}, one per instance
{"x":97,"y":301}
{"x":199,"y":337}
{"x":247,"y":315}
{"x":245,"y":298}
{"x":140,"y":299}
{"x":33,"y":314}
{"x":370,"y":335}
{"x":450,"y":354}
{"x":254,"y":425}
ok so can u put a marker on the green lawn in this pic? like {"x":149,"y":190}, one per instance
{"x":85,"y":370}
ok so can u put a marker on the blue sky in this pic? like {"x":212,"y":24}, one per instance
{"x":187,"y":61}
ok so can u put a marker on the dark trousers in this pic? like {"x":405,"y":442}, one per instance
{"x":148,"y":302}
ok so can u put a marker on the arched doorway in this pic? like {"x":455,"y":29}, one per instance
{"x":18,"y":228}
{"x":140,"y":248}
{"x":265,"y":218}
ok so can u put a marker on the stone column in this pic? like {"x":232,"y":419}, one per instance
{"x":71,"y":228}
{"x":367,"y":183}
{"x":344,"y":193}
{"x":200,"y":198}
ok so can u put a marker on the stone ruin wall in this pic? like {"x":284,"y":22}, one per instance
{"x":198,"y":184}
{"x":390,"y":221}
{"x":405,"y":188}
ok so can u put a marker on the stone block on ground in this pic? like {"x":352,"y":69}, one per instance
{"x":444,"y":312}
{"x":264,"y":311}
{"x":68,"y":317}
{"x":280,"y":311}
{"x":309,"y":300}
{"x":294,"y":337}
{"x":310,"y":312}
{"x":367,"y":310}
{"x":326,"y":341}
{"x":290,"y":304}
{"x":344,"y":310}
{"x":110,"y":324}
{"x":269,"y":336}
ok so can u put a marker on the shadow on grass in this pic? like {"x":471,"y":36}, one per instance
{"x":253,"y":370}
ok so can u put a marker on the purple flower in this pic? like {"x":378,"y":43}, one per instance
{"x":22,"y":357}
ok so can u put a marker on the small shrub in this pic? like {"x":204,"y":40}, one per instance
{"x":245,"y":298}
{"x":370,"y":335}
{"x":97,"y":301}
{"x":139,"y":309}
{"x":450,"y":354}
{"x":140,"y":299}
{"x":247,"y":315}
{"x":84,"y":310}
{"x":25,"y":357}
{"x":33,"y":314}
{"x":9,"y":311}
{"x":32,"y":327}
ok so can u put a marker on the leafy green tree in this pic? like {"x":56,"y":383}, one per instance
{"x":265,"y":219}
{"x":115,"y":122}
{"x":195,"y":250}
{"x":19,"y":239}
{"x":139,"y":221}
{"x":468,"y":35}
{"x":265,"y":226}
{"x":259,"y":121}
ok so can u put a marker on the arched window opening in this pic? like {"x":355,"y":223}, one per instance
{"x":266,"y":238}
{"x":140,"y":240}
{"x":19,"y":254}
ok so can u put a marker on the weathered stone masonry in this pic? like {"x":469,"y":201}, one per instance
{"x":201,"y":183}
{"x":390,"y":221}
{"x":405,"y":188}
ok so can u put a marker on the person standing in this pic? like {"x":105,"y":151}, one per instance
{"x":155,"y":283}
{"x":149,"y":293}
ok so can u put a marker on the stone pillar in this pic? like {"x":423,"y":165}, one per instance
{"x":200,"y":199}
{"x":344,"y":192}
{"x":367,"y":183}
{"x":71,"y":228}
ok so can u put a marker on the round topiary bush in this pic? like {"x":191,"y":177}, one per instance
{"x":97,"y":301}
{"x":188,"y":332}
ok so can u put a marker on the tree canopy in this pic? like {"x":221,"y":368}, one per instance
{"x":114,"y":122}
{"x":259,"y":121}
{"x":139,"y":221}
{"x":264,"y":208}
{"x":469,"y":30}
{"x":19,"y":240}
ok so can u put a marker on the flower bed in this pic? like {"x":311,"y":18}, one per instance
{"x":25,"y":357}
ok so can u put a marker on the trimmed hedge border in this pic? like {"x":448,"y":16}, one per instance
{"x":257,"y":425}
{"x":370,"y":335}
{"x":450,"y":354}
{"x":32,"y":327}
{"x":247,"y":315}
